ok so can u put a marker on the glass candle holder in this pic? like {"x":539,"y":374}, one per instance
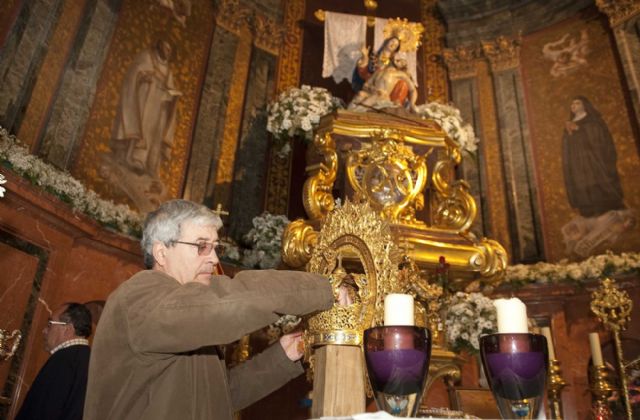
{"x":397,"y":359}
{"x":516,"y":366}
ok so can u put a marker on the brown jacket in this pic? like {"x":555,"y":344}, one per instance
{"x":154,"y":354}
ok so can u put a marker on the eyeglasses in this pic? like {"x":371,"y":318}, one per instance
{"x":204,"y":248}
{"x":52,"y":322}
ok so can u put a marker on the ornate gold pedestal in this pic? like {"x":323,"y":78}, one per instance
{"x":403,"y":167}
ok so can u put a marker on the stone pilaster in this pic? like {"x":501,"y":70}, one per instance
{"x":62,"y":134}
{"x":526,"y":236}
{"x":22,"y":56}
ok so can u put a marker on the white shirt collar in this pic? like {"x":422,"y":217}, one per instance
{"x":69,"y":343}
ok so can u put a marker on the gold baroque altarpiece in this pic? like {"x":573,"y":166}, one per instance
{"x":383,"y":161}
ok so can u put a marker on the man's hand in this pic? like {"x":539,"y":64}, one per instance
{"x":344,"y":299}
{"x":293,"y":345}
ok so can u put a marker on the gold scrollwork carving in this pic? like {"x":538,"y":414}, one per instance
{"x":390,"y":176}
{"x":454,"y":205}
{"x":491,"y":260}
{"x":619,"y":11}
{"x":317,"y":196}
{"x":503,"y":53}
{"x":298,"y":241}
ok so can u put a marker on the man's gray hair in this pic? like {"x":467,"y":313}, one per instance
{"x":164,"y":224}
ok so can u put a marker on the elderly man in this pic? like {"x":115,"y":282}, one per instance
{"x":59,"y":389}
{"x":155,"y":353}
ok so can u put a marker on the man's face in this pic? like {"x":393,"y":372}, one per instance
{"x":56,"y":334}
{"x":183,"y":262}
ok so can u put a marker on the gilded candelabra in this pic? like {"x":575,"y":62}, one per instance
{"x":601,"y":390}
{"x":613,"y":308}
{"x":6,"y":351}
{"x":556,"y":384}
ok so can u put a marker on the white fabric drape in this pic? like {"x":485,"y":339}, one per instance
{"x":344,"y":36}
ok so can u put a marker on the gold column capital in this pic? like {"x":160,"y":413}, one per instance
{"x":619,"y":11}
{"x":503,"y":53}
{"x":461,"y":61}
{"x":234,"y":17}
{"x":268,"y":34}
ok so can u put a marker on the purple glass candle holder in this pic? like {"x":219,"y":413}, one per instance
{"x":397,"y":359}
{"x":516,"y":366}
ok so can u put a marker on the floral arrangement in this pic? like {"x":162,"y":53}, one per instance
{"x":65,"y":187}
{"x":608,"y":264}
{"x":266,"y":241}
{"x":449,"y":118}
{"x":467,"y":317}
{"x":297,"y":111}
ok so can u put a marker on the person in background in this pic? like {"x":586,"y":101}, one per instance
{"x":58,"y":392}
{"x":156,"y":350}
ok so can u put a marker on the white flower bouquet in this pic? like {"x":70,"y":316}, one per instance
{"x":449,"y":118}
{"x":266,"y":241}
{"x":297,"y":111}
{"x":66,"y":188}
{"x":467,"y":317}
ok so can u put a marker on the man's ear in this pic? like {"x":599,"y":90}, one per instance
{"x":160,"y":253}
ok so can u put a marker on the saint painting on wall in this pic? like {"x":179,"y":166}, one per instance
{"x":592,"y":182}
{"x":144,"y":128}
{"x":583,"y":144}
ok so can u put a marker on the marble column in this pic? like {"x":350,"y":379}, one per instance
{"x":70,"y":108}
{"x":624,"y":17}
{"x":523,"y":212}
{"x":462,"y":71}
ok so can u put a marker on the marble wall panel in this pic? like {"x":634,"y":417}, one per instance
{"x":22,"y":55}
{"x":69,"y":110}
{"x":523,"y":214}
{"x":205,"y":149}
{"x":72,"y":258}
{"x":22,"y":266}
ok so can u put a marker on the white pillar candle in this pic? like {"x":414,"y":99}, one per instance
{"x":546,"y":331}
{"x":512,"y":316}
{"x":398,"y":309}
{"x":596,"y":352}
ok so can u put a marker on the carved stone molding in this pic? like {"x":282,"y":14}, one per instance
{"x":619,"y":11}
{"x":503,"y":53}
{"x":461,"y":61}
{"x":234,"y":16}
{"x":243,"y":21}
{"x":267,"y":34}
